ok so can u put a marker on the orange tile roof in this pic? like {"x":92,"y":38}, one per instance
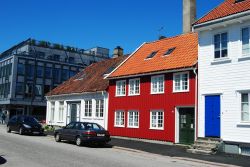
{"x":91,"y":79}
{"x":185,"y":55}
{"x":227,"y":8}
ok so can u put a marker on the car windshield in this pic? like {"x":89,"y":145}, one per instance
{"x":30,"y":119}
{"x":93,"y":126}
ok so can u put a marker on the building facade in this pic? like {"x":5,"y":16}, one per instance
{"x":32,"y":68}
{"x":152,"y":93}
{"x":83,"y":97}
{"x":224,"y":64}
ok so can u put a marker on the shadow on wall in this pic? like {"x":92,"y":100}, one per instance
{"x":2,"y":160}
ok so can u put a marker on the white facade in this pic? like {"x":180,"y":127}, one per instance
{"x":227,"y":77}
{"x":82,"y":110}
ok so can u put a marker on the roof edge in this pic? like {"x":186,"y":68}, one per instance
{"x":71,"y":94}
{"x":108,"y":75}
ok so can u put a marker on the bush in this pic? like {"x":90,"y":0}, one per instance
{"x":49,"y":128}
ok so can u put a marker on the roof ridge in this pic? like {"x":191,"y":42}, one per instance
{"x":169,"y":38}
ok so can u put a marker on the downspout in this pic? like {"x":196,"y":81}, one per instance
{"x":195,"y":103}
{"x":104,"y":108}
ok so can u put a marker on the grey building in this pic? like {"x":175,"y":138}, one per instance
{"x":32,"y":68}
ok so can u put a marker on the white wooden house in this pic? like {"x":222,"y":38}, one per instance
{"x":224,"y":75}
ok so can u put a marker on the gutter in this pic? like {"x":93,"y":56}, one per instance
{"x":102,"y":92}
{"x":153,"y":73}
{"x":223,"y":19}
{"x":195,"y":103}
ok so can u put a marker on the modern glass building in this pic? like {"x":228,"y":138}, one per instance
{"x":32,"y":68}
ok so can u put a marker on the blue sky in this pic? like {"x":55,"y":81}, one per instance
{"x":89,"y":23}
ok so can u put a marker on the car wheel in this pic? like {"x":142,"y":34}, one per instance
{"x":78,"y":141}
{"x":21,"y":131}
{"x":57,"y":138}
{"x":8,"y":129}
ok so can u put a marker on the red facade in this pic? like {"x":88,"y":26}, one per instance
{"x":146,"y":102}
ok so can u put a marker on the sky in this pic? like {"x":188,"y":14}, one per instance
{"x":89,"y":23}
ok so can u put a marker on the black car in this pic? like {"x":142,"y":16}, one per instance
{"x":24,"y":124}
{"x":83,"y":133}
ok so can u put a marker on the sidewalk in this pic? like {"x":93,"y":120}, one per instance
{"x":180,"y":152}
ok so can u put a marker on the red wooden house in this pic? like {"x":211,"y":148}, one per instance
{"x":152,"y":93}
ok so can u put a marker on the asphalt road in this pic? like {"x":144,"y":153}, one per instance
{"x":40,"y":151}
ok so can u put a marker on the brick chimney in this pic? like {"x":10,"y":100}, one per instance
{"x":118,"y":51}
{"x":189,"y":15}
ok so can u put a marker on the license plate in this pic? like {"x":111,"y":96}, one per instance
{"x":100,"y":134}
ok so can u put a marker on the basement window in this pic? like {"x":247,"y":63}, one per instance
{"x":151,"y":55}
{"x":169,"y":51}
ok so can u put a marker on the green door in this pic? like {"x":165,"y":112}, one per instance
{"x":186,"y":125}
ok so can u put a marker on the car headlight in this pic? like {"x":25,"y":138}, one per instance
{"x":26,"y":126}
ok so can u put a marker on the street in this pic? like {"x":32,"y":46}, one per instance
{"x":40,"y":151}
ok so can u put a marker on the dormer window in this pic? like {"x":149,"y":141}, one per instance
{"x":169,"y":51}
{"x":151,"y":55}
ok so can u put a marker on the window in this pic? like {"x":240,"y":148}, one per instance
{"x":61,"y":110}
{"x":52,"y":109}
{"x":20,"y":69}
{"x":169,"y":51}
{"x":157,"y":84}
{"x":48,"y":72}
{"x":19,"y":88}
{"x":40,"y":55}
{"x":245,"y":116}
{"x":30,"y":71}
{"x":181,"y":82}
{"x":156,"y":120}
{"x":72,"y":73}
{"x":88,"y":108}
{"x":151,"y":55}
{"x":220,"y":45}
{"x":245,"y":42}
{"x":65,"y":74}
{"x":28,"y":90}
{"x":119,"y":118}
{"x":134,"y":86}
{"x":57,"y":57}
{"x":39,"y":71}
{"x":38,"y":90}
{"x":121,"y":88}
{"x":133,"y":119}
{"x":56,"y":75}
{"x":71,"y":59}
{"x":99,"y":108}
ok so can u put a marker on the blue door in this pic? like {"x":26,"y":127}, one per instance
{"x":212,"y":116}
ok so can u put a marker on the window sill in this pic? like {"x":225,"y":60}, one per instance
{"x":156,"y":128}
{"x":221,"y":61}
{"x":244,"y":58}
{"x":134,"y":95}
{"x":133,"y":127}
{"x":182,"y":91}
{"x":152,"y":93}
{"x":243,"y":124}
{"x":120,"y":95}
{"x":119,"y":126}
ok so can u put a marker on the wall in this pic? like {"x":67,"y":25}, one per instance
{"x":146,"y":102}
{"x":225,"y":78}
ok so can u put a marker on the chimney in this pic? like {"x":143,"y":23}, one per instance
{"x":189,"y":15}
{"x":118,"y":51}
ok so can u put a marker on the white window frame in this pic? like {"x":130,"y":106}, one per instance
{"x":133,"y":112}
{"x":120,"y":85}
{"x":227,"y":57}
{"x":99,"y":108}
{"x":52,"y":111}
{"x":118,"y":123}
{"x":88,"y":111}
{"x":181,"y":82}
{"x":248,"y":121}
{"x":61,"y":111}
{"x":241,"y":34}
{"x":132,"y":87}
{"x":157,"y":84}
{"x":157,"y":119}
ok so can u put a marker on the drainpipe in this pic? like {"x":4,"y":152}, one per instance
{"x":104,"y":109}
{"x":196,"y":107}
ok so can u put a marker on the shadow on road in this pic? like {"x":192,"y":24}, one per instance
{"x":90,"y":145}
{"x":2,"y":160}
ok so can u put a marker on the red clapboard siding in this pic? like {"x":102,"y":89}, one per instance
{"x":146,"y":102}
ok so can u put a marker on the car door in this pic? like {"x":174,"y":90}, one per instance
{"x":11,"y":123}
{"x":66,"y":133}
{"x":75,"y":131}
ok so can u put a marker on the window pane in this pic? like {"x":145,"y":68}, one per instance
{"x":39,"y":71}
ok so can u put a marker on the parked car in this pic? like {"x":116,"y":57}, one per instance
{"x":24,"y":124}
{"x":83,"y":132}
